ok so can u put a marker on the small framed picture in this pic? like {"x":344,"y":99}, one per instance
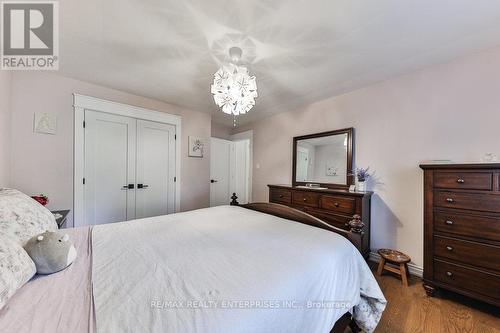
{"x":45,"y":123}
{"x":196,"y":146}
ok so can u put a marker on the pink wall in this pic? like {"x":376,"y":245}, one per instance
{"x":5,"y":130}
{"x":44,"y":163}
{"x":221,"y":131}
{"x":450,"y":111}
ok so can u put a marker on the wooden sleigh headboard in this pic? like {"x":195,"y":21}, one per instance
{"x":353,"y":235}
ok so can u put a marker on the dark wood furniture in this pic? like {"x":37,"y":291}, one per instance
{"x":397,"y":258}
{"x":462,"y":230}
{"x":334,"y":206}
{"x":61,"y":221}
{"x":349,"y":153}
{"x":354,"y":235}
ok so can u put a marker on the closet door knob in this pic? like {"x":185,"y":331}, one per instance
{"x":142,"y":186}
{"x":128,"y":187}
{"x":213,"y":181}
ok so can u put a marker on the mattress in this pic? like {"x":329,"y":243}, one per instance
{"x":223,"y":269}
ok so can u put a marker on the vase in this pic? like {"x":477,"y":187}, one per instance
{"x":361,"y":186}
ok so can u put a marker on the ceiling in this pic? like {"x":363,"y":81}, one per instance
{"x":301,"y":51}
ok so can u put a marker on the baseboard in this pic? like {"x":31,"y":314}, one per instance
{"x":414,"y":269}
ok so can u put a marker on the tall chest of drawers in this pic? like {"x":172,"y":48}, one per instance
{"x":462,"y":230}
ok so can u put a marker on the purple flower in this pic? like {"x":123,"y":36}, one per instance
{"x":362,"y":174}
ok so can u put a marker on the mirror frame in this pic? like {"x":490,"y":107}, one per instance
{"x":350,"y":157}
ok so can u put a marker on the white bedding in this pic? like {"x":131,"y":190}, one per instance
{"x":227,"y":269}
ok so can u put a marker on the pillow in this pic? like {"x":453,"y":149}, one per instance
{"x":16,"y":268}
{"x":21,"y":217}
{"x":51,"y":252}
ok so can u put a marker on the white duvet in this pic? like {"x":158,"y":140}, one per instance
{"x":227,"y":269}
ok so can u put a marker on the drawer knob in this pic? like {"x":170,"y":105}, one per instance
{"x":449,"y":248}
{"x":450,"y":200}
{"x":449,"y":222}
{"x":281,"y":195}
{"x":336,"y":204}
{"x":449,"y":274}
{"x":305,"y":199}
{"x":460,"y":180}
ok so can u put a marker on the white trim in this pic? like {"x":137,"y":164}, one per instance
{"x":412,"y":268}
{"x":82,"y":103}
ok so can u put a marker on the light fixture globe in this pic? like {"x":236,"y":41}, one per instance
{"x":234,"y":90}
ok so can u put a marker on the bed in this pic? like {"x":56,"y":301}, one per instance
{"x":225,"y":269}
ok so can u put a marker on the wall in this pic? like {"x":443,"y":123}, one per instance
{"x":450,"y":111}
{"x":44,"y":163}
{"x":221,"y":131}
{"x":5,"y":128}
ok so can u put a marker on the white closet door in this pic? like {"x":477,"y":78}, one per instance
{"x":220,"y":152}
{"x":110,"y":155}
{"x":155,"y":193}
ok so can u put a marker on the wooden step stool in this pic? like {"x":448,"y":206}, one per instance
{"x":397,"y":258}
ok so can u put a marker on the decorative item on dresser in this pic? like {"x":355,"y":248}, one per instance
{"x":462,"y":229}
{"x":334,"y":206}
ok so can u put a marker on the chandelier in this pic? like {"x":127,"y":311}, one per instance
{"x":233,"y":89}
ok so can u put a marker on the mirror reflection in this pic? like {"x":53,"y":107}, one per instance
{"x":322,"y":160}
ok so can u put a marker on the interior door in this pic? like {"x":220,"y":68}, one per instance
{"x":155,"y":193}
{"x":220,"y":151}
{"x":110,"y":142}
{"x":240,"y":170}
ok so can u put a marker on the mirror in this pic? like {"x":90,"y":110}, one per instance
{"x":324,"y":159}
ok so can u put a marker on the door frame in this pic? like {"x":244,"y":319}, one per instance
{"x":82,"y":103}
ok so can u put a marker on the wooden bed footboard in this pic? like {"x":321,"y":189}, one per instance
{"x":353,"y":235}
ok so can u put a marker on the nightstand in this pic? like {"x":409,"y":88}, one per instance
{"x":61,"y":220}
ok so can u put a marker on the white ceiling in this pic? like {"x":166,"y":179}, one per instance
{"x":301,"y":51}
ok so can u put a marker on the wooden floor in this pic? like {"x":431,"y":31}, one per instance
{"x":410,"y":310}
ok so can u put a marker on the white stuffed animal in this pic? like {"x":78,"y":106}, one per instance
{"x":51,"y":252}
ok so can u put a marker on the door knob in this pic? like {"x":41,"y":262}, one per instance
{"x":213,"y":181}
{"x":128,"y":187}
{"x":142,"y":186}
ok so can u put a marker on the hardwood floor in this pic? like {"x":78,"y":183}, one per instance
{"x":410,"y":310}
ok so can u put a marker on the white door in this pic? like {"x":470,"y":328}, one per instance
{"x":220,"y":151}
{"x":110,"y":157}
{"x":155,"y":169}
{"x":240,"y":170}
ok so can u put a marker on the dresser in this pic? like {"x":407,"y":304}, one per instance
{"x":462,"y":229}
{"x":335,"y":207}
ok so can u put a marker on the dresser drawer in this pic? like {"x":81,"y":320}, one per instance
{"x":336,"y":220}
{"x":338,"y":204}
{"x":471,"y":253}
{"x":282,"y":196}
{"x":467,"y":225}
{"x":305,"y":198}
{"x":481,"y":202}
{"x":464,"y":180}
{"x":467,"y":278}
